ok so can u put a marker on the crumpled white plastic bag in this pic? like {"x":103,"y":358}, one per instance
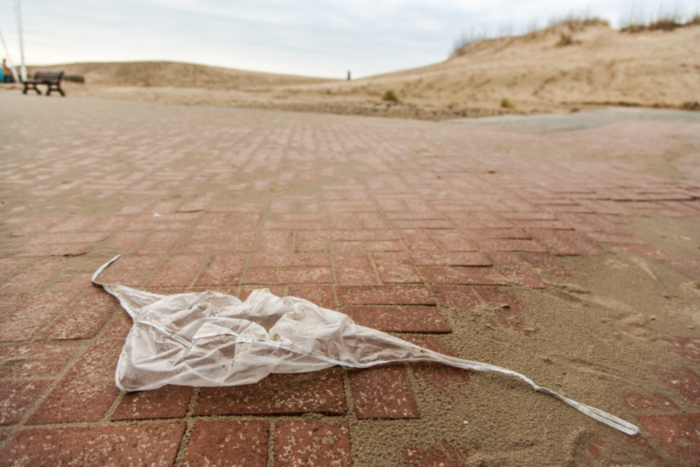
{"x":211,"y":339}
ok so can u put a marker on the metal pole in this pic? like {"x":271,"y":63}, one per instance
{"x":7,"y":52}
{"x":18,"y":13}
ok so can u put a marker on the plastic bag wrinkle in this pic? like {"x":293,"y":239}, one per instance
{"x":210,"y":339}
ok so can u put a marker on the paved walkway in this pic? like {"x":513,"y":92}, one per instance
{"x":577,"y":121}
{"x":408,"y":227}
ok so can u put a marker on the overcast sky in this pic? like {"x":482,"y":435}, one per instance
{"x":306,"y":37}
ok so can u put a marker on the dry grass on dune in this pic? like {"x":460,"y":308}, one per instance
{"x":664,"y":23}
{"x":570,"y":65}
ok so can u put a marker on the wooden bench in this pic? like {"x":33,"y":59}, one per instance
{"x":50,"y":78}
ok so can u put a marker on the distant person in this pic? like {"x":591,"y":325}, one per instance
{"x":348,"y":75}
{"x":6,"y":72}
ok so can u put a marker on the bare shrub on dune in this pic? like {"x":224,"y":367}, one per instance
{"x":75,"y":79}
{"x":507,"y":103}
{"x":577,"y":22}
{"x":566,"y":39}
{"x":390,"y":96}
{"x":573,"y":22}
{"x":662,"y":21}
{"x":663,"y":24}
{"x":467,"y":38}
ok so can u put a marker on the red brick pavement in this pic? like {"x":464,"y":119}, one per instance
{"x":335,"y":210}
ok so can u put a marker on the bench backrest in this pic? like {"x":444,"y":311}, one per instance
{"x":48,"y":76}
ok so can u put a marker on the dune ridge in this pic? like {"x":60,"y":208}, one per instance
{"x":600,"y":66}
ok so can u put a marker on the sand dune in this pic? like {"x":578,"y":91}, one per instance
{"x":602,"y":66}
{"x":174,"y":74}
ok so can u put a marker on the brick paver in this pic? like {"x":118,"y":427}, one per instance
{"x":433,"y":231}
{"x":87,"y":391}
{"x":228,"y":443}
{"x":320,"y":392}
{"x":312,"y":443}
{"x":383,"y":392}
{"x":165,"y":402}
{"x":426,"y":319}
{"x":677,"y":434}
{"x":106,"y":445}
{"x":684,"y":381}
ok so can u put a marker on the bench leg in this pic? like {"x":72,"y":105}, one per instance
{"x":58,"y":88}
{"x":37,"y":90}
{"x":48,"y":90}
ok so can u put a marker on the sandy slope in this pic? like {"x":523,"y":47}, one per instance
{"x":181,"y":75}
{"x":603,"y":66}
